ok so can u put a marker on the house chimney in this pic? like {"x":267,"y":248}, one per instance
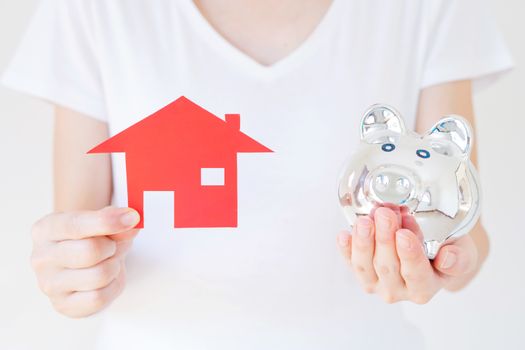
{"x":233,"y":120}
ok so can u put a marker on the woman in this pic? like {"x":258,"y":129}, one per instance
{"x":300,"y":73}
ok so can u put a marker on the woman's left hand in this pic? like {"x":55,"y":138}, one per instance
{"x":385,"y":251}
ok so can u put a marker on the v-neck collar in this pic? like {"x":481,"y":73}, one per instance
{"x":252,"y":66}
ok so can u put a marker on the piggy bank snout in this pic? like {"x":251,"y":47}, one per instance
{"x":391,"y":184}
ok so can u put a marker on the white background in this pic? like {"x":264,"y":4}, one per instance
{"x":488,"y":314}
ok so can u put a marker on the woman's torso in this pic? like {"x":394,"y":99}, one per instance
{"x":276,"y":280}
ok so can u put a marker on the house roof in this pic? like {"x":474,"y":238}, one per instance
{"x":183,"y":125}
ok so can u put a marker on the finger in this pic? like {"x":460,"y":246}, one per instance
{"x":362,"y":252}
{"x":123,"y":248}
{"x":458,"y":258}
{"x":83,"y":224}
{"x":91,"y":278}
{"x":87,"y":252}
{"x":408,"y":221}
{"x":82,"y":253}
{"x":415,"y":268}
{"x":81,"y":304}
{"x":395,"y":208}
{"x":344,"y":242}
{"x":125,"y":236}
{"x":386,"y":261}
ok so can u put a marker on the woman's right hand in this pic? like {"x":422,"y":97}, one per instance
{"x":78,"y":257}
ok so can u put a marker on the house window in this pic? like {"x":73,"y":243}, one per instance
{"x":212,"y":176}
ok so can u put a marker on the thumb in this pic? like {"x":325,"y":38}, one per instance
{"x":129,"y":219}
{"x":458,"y":258}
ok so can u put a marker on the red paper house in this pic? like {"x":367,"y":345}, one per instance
{"x":170,"y":151}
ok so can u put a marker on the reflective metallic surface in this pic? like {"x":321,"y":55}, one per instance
{"x":428,"y":178}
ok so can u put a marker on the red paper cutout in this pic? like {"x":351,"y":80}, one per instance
{"x":166,"y":152}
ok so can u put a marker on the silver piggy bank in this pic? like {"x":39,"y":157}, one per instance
{"x":429,"y":178}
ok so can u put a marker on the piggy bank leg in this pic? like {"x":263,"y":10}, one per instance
{"x":432,"y":248}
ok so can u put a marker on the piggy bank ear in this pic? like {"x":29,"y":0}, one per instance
{"x":451,"y":136}
{"x":381,"y":123}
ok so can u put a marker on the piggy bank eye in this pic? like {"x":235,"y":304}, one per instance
{"x":388,"y":147}
{"x":423,"y":153}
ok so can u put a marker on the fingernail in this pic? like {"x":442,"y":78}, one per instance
{"x":344,"y":239}
{"x":449,"y":260}
{"x":402,"y":240}
{"x":363,"y":228}
{"x":130,"y":218}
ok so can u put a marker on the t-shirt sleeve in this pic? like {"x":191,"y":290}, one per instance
{"x":57,"y":58}
{"x":464,"y":43}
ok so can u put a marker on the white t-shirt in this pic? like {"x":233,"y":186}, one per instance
{"x":277,"y":281}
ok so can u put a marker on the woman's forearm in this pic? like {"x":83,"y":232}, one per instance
{"x":81,"y":181}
